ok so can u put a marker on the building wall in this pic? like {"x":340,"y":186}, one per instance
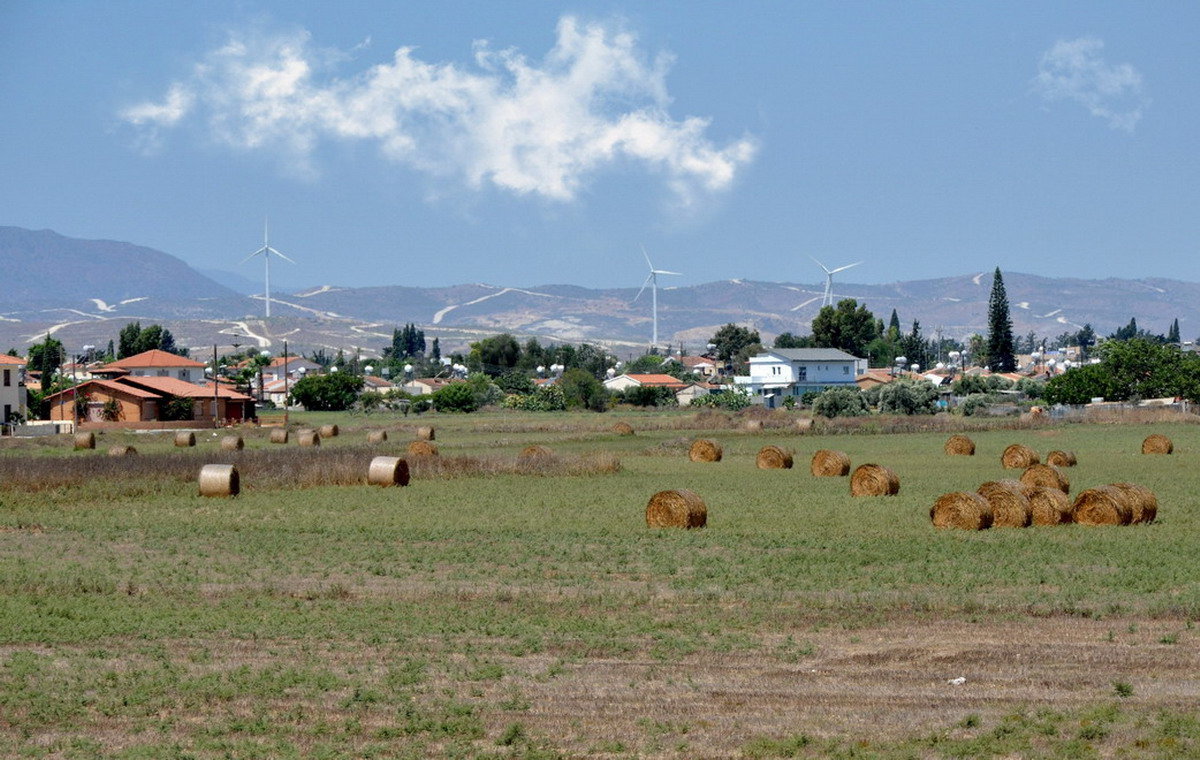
{"x":133,"y":409}
{"x":12,"y":391}
{"x":768,"y":371}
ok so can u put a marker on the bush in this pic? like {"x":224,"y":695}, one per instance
{"x":335,"y":392}
{"x":840,"y":402}
{"x":732,"y":400}
{"x":177,"y":408}
{"x":908,"y":397}
{"x":487,"y":393}
{"x":1033,"y":389}
{"x":582,"y":390}
{"x":652,"y":395}
{"x":546,"y":398}
{"x":975,"y":403}
{"x":455,"y":397}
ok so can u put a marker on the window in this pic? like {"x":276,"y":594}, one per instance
{"x":185,"y":374}
{"x":801,"y":373}
{"x":7,"y":377}
{"x":164,"y":373}
{"x":846,"y":370}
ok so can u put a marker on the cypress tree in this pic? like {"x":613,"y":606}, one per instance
{"x":1000,"y":355}
{"x":1173,"y":333}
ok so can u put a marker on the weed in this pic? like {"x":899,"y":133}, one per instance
{"x":1123,"y":688}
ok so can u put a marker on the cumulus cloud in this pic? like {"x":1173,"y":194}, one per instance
{"x":1076,"y":70}
{"x":537,"y":128}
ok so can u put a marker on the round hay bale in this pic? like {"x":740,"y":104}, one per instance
{"x":85,"y":440}
{"x":1010,"y":503}
{"x":1103,"y":505}
{"x":827,"y":463}
{"x":874,"y":480}
{"x":680,"y":508}
{"x":121,"y":451}
{"x":533,"y":452}
{"x":623,"y":428}
{"x":1157,"y":444}
{"x":960,"y":446}
{"x":426,"y":433}
{"x":705,"y":450}
{"x":219,"y":480}
{"x":308,"y":438}
{"x":773,"y":458}
{"x":232,"y":443}
{"x":1018,"y":457}
{"x":422,"y":449}
{"x":329,"y":431}
{"x":961,"y":509}
{"x":185,"y":439}
{"x":1061,"y":458}
{"x":388,"y":471}
{"x":279,"y":435}
{"x":1142,"y":502}
{"x":1049,"y":505}
{"x":1045,"y":475}
{"x":752,"y":426}
{"x":377,"y":436}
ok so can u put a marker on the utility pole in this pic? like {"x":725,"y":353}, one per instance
{"x":216,"y":367}
{"x":285,"y":386}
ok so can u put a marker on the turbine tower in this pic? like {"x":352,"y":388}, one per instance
{"x":827,"y":299}
{"x":266,"y":252}
{"x":652,"y":281}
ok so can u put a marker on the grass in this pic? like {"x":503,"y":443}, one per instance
{"x":495,"y":614}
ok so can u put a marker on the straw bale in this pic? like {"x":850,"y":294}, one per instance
{"x":1061,"y":458}
{"x":1010,"y":503}
{"x":804,"y":424}
{"x":279,"y":435}
{"x":773,"y":458}
{"x":752,"y":426}
{"x":874,"y":480}
{"x":679,"y":508}
{"x":219,"y":480}
{"x":1050,"y":506}
{"x":121,"y":451}
{"x":535,"y":452}
{"x":827,"y":463}
{"x":622,"y":428}
{"x":705,"y":450}
{"x":1046,"y":475}
{"x":184,"y":439}
{"x":1157,"y":444}
{"x":426,"y":433}
{"x":1143,"y":503}
{"x":961,"y":509}
{"x":232,"y":443}
{"x":85,"y":440}
{"x":1018,"y":456}
{"x":422,"y":449}
{"x":387,"y":471}
{"x":960,"y":445}
{"x":1103,"y":505}
{"x":377,"y":436}
{"x":329,"y":431}
{"x":308,"y":438}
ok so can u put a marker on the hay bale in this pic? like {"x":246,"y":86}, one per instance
{"x":874,"y":480}
{"x":1045,"y":475}
{"x":705,"y":450}
{"x":1010,"y":503}
{"x":1103,"y":505}
{"x":960,"y":445}
{"x":232,"y":443}
{"x":426,"y":433}
{"x":184,"y":440}
{"x":121,"y":451}
{"x":752,"y":426}
{"x":827,"y":463}
{"x":377,"y":436}
{"x":1049,"y":506}
{"x":1061,"y":458}
{"x":329,"y":431}
{"x":961,"y":509}
{"x":1157,"y":444}
{"x":279,"y":435}
{"x":1018,"y":457}
{"x":804,"y":424}
{"x":680,"y":508}
{"x":219,"y":480}
{"x":773,"y":458}
{"x":422,"y":449}
{"x":308,"y":438}
{"x":534,"y":452}
{"x":622,"y":428}
{"x":1142,"y":502}
{"x":387,"y":471}
{"x":85,"y":440}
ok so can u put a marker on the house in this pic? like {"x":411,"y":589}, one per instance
{"x":627,"y":381}
{"x":693,"y":391}
{"x":154,"y":363}
{"x":700,"y":365}
{"x":12,"y":387}
{"x":377,"y":384}
{"x":423,"y":386}
{"x":874,"y":378}
{"x":295,"y":367}
{"x":783,"y":372}
{"x":132,"y":399}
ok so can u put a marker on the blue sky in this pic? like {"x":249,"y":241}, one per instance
{"x":527,"y":143}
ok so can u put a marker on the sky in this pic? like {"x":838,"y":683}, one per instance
{"x":527,"y":143}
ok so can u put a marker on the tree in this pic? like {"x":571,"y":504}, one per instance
{"x":787,"y":340}
{"x":894,"y":325}
{"x":914,"y":347}
{"x":334,"y":392}
{"x":46,"y":358}
{"x":846,"y":326}
{"x":1085,"y":339}
{"x":582,"y":390}
{"x":1173,"y":333}
{"x":1000,"y":355}
{"x":1131,"y":369}
{"x":455,"y":397}
{"x":840,"y":402}
{"x":133,"y":339}
{"x":908,"y":397}
{"x":731,"y":339}
{"x":495,"y":355}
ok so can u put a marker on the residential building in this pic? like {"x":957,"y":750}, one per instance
{"x":136,"y":399}
{"x":624,"y":382}
{"x":12,"y":387}
{"x":154,"y":363}
{"x":781,"y":372}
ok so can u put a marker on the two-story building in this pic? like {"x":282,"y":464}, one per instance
{"x":12,"y":387}
{"x":154,"y":363}
{"x":781,"y":372}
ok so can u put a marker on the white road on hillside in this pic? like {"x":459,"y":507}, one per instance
{"x":437,"y":318}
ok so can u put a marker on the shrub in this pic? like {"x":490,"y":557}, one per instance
{"x":908,"y":397}
{"x":733,"y":400}
{"x":652,"y":395}
{"x":455,"y":397}
{"x":840,"y":402}
{"x":334,"y":392}
{"x":177,"y":408}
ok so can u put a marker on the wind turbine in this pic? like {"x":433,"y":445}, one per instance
{"x":266,"y":252}
{"x":827,"y":299}
{"x":652,"y":281}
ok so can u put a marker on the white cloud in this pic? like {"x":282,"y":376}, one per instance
{"x":528,"y":127}
{"x":1075,"y":70}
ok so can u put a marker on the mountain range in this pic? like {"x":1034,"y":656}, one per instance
{"x":98,"y":286}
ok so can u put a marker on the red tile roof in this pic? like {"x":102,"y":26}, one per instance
{"x":109,"y":385}
{"x":12,"y":360}
{"x":175,"y":387}
{"x":665,"y":381}
{"x":154,"y":358}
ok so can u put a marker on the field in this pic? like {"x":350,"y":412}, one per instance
{"x":489,"y":610}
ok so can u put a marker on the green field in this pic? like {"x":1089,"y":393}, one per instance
{"x":514,"y":615}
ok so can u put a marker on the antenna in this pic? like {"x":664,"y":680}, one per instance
{"x":266,"y":252}
{"x":827,"y":299}
{"x":652,"y":281}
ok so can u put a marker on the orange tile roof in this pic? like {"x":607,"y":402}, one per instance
{"x":658,"y":379}
{"x":109,"y":385}
{"x":154,"y":358}
{"x":13,"y":360}
{"x":176,"y":387}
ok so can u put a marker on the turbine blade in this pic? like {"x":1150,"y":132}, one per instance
{"x":647,"y":257}
{"x":280,"y":255}
{"x":841,"y":269}
{"x":256,"y":253}
{"x":663,"y":271}
{"x":643,"y":290}
{"x":820,"y":264}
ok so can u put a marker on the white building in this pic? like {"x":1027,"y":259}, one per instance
{"x":782,"y":372}
{"x":12,"y":387}
{"x":155,"y":363}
